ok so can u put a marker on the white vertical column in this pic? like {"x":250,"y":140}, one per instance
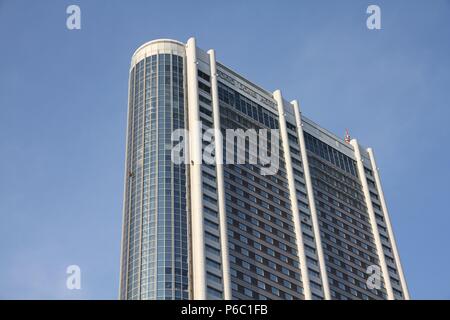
{"x":373,"y":221}
{"x":311,"y":201}
{"x":293,"y":195}
{"x":218,"y":141}
{"x":388,"y":223}
{"x":195,"y":153}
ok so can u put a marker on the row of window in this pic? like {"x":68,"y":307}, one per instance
{"x":330,"y":154}
{"x":247,"y":106}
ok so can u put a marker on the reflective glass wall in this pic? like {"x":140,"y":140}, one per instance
{"x":154,"y":250}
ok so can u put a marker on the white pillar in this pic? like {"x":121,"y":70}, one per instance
{"x":218,"y":141}
{"x":388,"y":224}
{"x":311,"y":201}
{"x":195,"y":153}
{"x":293,"y":195}
{"x":372,"y":218}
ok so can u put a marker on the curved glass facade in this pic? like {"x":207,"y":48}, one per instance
{"x":154,"y":251}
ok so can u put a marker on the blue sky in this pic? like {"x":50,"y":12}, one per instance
{"x":63,"y":100}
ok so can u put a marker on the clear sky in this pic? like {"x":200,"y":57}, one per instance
{"x":63,"y":100}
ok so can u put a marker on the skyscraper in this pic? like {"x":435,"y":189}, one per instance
{"x":315,"y":228}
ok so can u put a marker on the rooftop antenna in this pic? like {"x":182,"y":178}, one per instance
{"x":347,"y":136}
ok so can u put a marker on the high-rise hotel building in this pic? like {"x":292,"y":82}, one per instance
{"x":318,"y":228}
